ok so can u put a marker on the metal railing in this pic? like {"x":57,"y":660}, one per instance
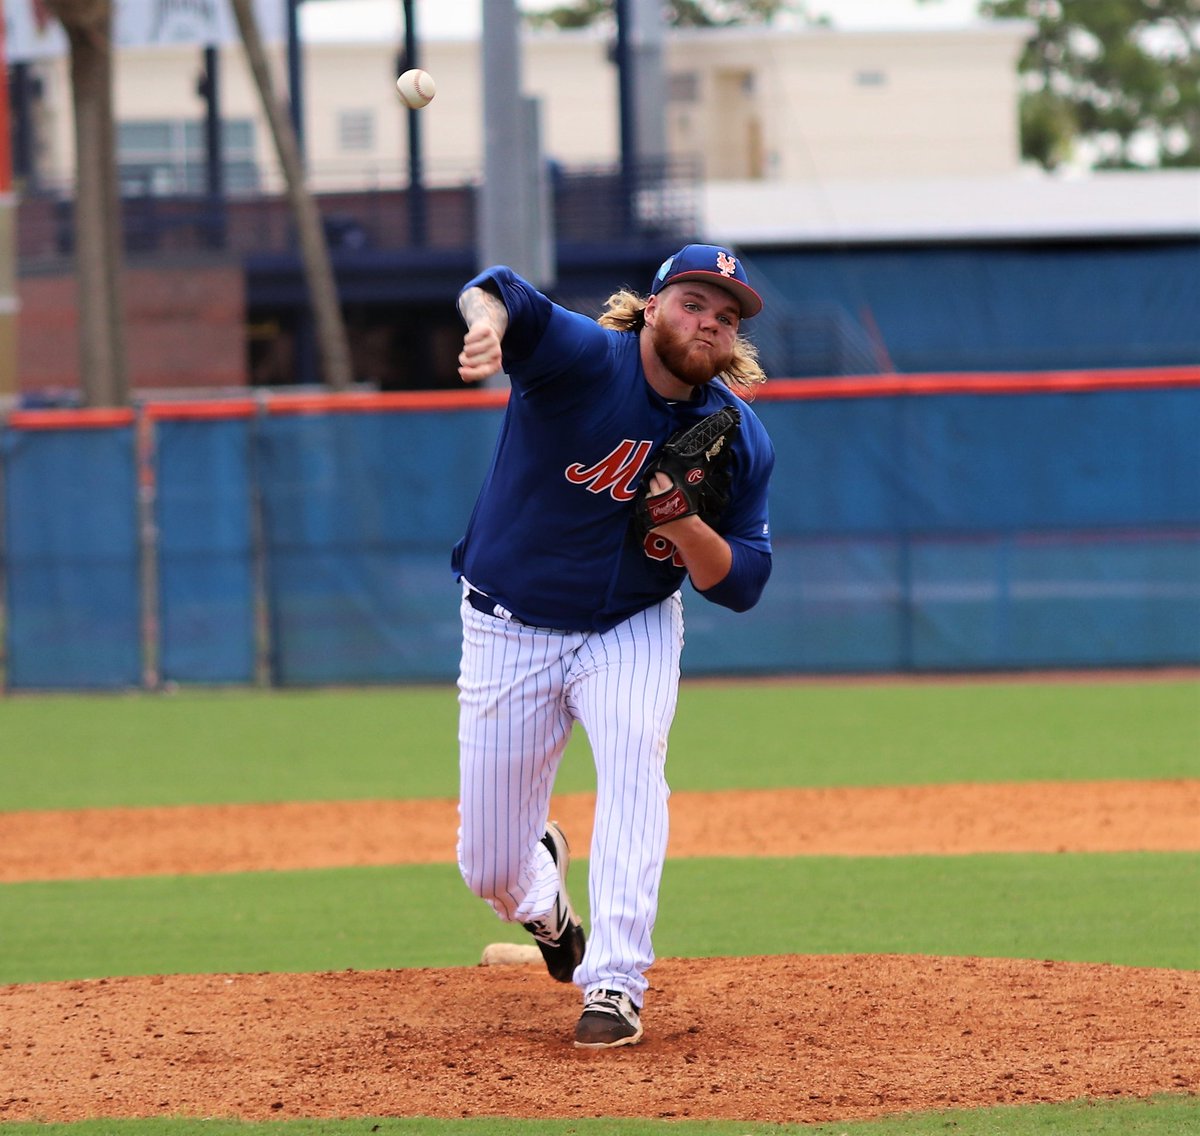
{"x":592,"y":205}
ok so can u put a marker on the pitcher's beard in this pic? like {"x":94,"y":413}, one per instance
{"x":688,"y":363}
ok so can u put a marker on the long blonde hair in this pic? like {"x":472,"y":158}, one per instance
{"x":626,"y":311}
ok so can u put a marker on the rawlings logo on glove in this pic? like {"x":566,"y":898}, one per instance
{"x":696,"y":462}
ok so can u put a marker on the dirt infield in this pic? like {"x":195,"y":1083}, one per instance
{"x":936,"y":820}
{"x":799,"y":1039}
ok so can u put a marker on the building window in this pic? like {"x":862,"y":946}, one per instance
{"x":683,"y":87}
{"x":167,"y":156}
{"x":356,"y":130}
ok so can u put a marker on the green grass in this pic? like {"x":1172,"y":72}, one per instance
{"x":1138,"y":909}
{"x":1160,"y":1116}
{"x":242,"y":746}
{"x":1134,"y":909}
{"x":216,"y":747}
{"x":761,"y":736}
{"x":205,"y":747}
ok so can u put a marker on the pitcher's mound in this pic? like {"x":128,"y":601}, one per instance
{"x":777,"y":1039}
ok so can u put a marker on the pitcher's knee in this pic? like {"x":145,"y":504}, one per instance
{"x":490,"y":885}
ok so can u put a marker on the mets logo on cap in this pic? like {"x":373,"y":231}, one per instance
{"x":713,"y":265}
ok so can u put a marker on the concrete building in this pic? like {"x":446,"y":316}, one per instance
{"x":747,"y":103}
{"x":784,"y":143}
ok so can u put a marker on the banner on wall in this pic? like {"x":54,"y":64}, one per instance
{"x":32,"y":32}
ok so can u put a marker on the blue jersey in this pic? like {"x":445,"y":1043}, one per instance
{"x":551,"y":537}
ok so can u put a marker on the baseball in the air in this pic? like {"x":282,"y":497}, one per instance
{"x":416,"y":88}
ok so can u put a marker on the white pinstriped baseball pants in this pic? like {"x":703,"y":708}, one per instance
{"x":521,"y":689}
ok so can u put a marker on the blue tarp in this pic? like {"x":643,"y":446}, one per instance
{"x":72,"y":562}
{"x":949,"y":532}
{"x":1002,"y":307}
{"x":359,"y":514}
{"x":912,"y":533}
{"x":206,"y":570}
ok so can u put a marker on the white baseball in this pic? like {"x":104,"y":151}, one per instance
{"x":416,"y":88}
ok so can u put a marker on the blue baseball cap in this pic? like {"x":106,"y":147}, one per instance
{"x":709,"y":264}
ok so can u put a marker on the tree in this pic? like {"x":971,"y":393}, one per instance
{"x":98,"y":242}
{"x":1122,"y":76}
{"x":103,"y":375}
{"x":332,"y":343}
{"x":679,"y":13}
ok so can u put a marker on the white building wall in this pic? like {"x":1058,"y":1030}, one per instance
{"x":776,"y":106}
{"x":940,"y":104}
{"x":54,"y":121}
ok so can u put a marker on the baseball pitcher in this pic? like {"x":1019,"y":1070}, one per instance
{"x":628,"y":460}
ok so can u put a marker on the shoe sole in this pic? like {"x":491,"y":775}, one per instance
{"x":632,"y":1039}
{"x":562,"y":861}
{"x":564,"y":847}
{"x":562,"y":865}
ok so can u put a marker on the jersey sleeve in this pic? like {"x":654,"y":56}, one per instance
{"x":543,"y":339}
{"x":746,"y":524}
{"x":528,"y":310}
{"x":743,"y":586}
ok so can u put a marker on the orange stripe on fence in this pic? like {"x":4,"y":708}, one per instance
{"x":322,"y":403}
{"x":777,"y":390}
{"x":326,"y":402}
{"x":201,"y":411}
{"x":1031,"y":382}
{"x":84,"y":419}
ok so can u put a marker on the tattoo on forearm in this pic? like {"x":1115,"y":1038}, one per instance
{"x":480,"y":306}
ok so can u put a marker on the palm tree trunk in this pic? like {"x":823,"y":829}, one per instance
{"x":322,"y":288}
{"x":98,"y":256}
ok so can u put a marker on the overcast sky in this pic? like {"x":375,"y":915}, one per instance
{"x":359,"y":19}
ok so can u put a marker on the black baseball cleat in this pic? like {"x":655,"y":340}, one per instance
{"x":610,"y":1018}
{"x":559,"y":935}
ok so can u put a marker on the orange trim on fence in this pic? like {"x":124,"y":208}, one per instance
{"x":323,"y":402}
{"x":191,"y":410}
{"x":777,"y":390}
{"x":1031,"y":382}
{"x":87,"y":418}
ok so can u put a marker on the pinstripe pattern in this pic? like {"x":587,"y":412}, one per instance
{"x":521,"y":689}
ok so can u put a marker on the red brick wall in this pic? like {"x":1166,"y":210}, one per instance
{"x":185,"y":327}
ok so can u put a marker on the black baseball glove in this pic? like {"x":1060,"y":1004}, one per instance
{"x":697,"y":462}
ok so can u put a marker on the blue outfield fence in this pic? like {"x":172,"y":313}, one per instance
{"x":920,"y":524}
{"x":959,"y":531}
{"x":206,"y":580}
{"x":72,"y":561}
{"x":359,"y":514}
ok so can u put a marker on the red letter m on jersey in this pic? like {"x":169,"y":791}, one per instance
{"x":616,"y":473}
